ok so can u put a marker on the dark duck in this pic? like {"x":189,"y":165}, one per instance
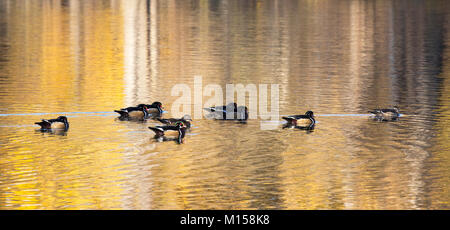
{"x":305,"y":121}
{"x":179,"y":128}
{"x":390,"y":114}
{"x":60,"y":123}
{"x":228,"y":112}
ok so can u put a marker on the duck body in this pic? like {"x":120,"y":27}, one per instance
{"x":386,"y":114}
{"x":229,"y":112}
{"x":186,"y":119}
{"x":179,"y":128}
{"x":139,"y":112}
{"x":305,"y":120}
{"x":60,"y":123}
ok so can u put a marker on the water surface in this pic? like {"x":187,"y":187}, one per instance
{"x":83,"y":59}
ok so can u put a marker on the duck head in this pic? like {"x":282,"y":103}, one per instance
{"x":157,"y":105}
{"x":179,"y":124}
{"x":396,"y":109}
{"x":309,"y":114}
{"x":63,"y":119}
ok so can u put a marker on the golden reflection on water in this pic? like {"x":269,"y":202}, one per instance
{"x":333,"y":57}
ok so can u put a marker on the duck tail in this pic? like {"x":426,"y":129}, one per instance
{"x":287,"y":118}
{"x":44,"y":124}
{"x":158,"y":131}
{"x":122,"y":113}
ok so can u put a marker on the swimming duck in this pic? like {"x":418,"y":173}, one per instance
{"x":386,"y":114}
{"x":160,"y":135}
{"x":186,"y":119}
{"x":229,"y":112}
{"x":59,"y":123}
{"x":139,"y":112}
{"x":306,"y":120}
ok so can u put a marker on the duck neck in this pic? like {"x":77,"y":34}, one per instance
{"x":66,"y":124}
{"x":181,"y":133}
{"x":313,"y":121}
{"x":144,"y":110}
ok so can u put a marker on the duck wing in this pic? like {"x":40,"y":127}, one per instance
{"x":158,"y":130}
{"x":164,"y":121}
{"x":388,"y":111}
{"x":294,"y":117}
{"x":169,"y":127}
{"x":123,"y":113}
{"x":222,"y":108}
{"x":375,"y":111}
{"x":167,"y":121}
{"x":164,"y":128}
{"x":378,"y":111}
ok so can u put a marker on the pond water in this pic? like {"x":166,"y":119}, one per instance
{"x":83,"y":59}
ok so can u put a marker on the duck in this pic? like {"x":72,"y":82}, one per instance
{"x":60,"y":123}
{"x":229,"y":112}
{"x":306,"y":120}
{"x":390,"y":114}
{"x":186,"y":119}
{"x":160,"y":132}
